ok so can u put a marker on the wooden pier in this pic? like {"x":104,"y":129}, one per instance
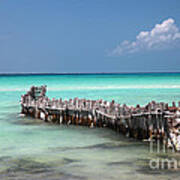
{"x":155,"y":121}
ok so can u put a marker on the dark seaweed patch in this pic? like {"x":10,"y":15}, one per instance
{"x":67,"y":160}
{"x":25,"y":166}
{"x":4,"y":158}
{"x":111,"y":146}
{"x":143,"y":167}
{"x":126,"y":163}
{"x":104,"y":146}
{"x":28,"y":169}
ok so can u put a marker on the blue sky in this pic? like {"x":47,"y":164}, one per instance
{"x":89,"y":35}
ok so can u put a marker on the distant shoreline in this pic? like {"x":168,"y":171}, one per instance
{"x":83,"y":73}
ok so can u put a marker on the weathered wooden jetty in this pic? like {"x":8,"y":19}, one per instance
{"x":155,"y":121}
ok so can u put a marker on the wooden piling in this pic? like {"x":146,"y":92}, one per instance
{"x":155,"y":120}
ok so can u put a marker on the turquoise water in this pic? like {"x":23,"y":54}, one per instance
{"x":31,"y":149}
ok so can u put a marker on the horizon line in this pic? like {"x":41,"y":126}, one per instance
{"x":83,"y":73}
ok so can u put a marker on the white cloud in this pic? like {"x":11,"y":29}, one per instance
{"x":162,"y":36}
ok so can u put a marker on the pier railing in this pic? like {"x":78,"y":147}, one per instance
{"x":155,"y":121}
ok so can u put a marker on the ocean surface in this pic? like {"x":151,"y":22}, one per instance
{"x":31,"y":149}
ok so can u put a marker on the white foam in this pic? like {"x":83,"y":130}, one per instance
{"x":103,"y":87}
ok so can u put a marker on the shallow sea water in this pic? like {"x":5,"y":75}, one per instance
{"x":31,"y":149}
